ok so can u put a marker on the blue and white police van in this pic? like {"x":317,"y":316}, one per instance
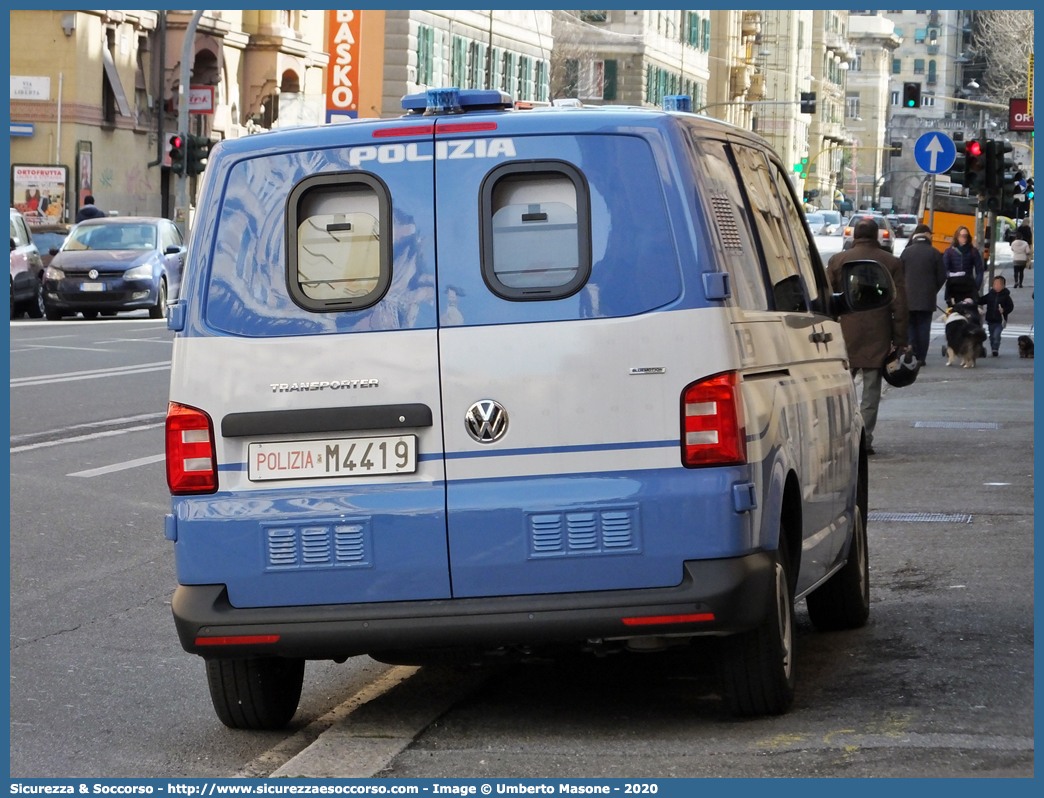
{"x":482,"y":379}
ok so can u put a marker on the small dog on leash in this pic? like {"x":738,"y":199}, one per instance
{"x":964,"y":336}
{"x":1025,"y":346}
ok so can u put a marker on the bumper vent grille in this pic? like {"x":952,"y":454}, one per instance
{"x":587,"y":532}
{"x":332,"y":544}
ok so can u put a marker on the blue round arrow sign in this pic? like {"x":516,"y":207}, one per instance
{"x":935,"y":152}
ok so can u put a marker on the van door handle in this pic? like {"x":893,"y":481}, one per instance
{"x":821,"y":337}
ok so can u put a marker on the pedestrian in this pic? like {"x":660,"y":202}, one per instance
{"x":998,"y":305}
{"x":870,"y":336}
{"x":964,"y":268}
{"x":925,"y":274}
{"x":89,"y":210}
{"x":1021,"y":251}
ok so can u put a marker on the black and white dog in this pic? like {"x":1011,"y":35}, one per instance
{"x":964,"y":335}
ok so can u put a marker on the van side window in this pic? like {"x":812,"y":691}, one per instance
{"x":728,"y":215}
{"x":338,"y":242}
{"x":802,"y":244}
{"x":536,"y":230}
{"x":787,"y":292}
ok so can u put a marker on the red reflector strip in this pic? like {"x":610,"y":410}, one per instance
{"x":415,"y":130}
{"x":242,"y":640}
{"x":467,"y":127}
{"x":652,"y":620}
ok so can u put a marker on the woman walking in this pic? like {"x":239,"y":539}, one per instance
{"x":964,"y":268}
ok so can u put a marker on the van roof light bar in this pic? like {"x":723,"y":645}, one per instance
{"x":678,"y":102}
{"x":440,"y":102}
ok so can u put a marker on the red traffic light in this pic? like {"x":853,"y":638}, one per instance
{"x":974,"y":148}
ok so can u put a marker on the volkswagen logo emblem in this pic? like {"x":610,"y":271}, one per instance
{"x":486,"y":421}
{"x":93,"y":274}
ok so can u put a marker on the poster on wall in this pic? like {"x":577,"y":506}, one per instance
{"x":38,"y":192}
{"x":85,"y":172}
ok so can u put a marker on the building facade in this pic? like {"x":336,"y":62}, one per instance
{"x":632,"y":57}
{"x":867,"y":109}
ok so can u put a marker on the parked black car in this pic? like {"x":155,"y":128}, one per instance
{"x":115,"y":264}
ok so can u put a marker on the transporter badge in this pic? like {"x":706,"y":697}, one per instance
{"x":486,"y":421}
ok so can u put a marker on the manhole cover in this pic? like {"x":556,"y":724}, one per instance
{"x":957,"y":425}
{"x":912,"y":518}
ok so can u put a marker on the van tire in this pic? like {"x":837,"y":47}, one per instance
{"x":259,"y":693}
{"x":757,"y":667}
{"x":35,"y":306}
{"x":843,"y":601}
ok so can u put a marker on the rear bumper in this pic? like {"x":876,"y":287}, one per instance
{"x":736,"y":591}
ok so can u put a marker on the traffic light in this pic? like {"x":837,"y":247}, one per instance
{"x":911,"y":95}
{"x":808,"y":102}
{"x":897,"y":149}
{"x":1029,"y":190}
{"x":802,"y":168}
{"x":176,"y":151}
{"x":968,"y":168}
{"x":1000,"y":182}
{"x":198,"y":152}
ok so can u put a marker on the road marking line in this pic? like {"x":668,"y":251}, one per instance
{"x":80,"y":438}
{"x":92,"y":374}
{"x":111,"y":422}
{"x":97,"y":472}
{"x":274,"y":758}
{"x":33,"y":347}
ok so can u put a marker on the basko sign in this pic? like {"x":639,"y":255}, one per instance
{"x":342,"y":82}
{"x":1020,"y":118}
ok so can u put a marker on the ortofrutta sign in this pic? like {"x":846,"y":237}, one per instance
{"x":342,"y":82}
{"x":1020,"y":118}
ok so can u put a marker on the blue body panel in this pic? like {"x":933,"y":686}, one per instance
{"x":601,"y":531}
{"x":316,"y":545}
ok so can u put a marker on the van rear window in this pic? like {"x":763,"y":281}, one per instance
{"x":338,"y":240}
{"x":536,"y":231}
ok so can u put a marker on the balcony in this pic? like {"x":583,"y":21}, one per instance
{"x":931,"y":80}
{"x":751,"y":25}
{"x":933,"y":18}
{"x":933,"y":49}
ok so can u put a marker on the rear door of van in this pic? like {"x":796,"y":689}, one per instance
{"x":565,"y":346}
{"x":312,"y":345}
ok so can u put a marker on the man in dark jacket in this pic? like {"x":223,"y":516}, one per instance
{"x":871,"y":335}
{"x":925,"y":274}
{"x":89,"y":210}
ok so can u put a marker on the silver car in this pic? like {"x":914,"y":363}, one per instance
{"x":885,"y":232}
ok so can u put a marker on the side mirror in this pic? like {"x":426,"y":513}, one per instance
{"x":53,"y":251}
{"x":865,"y":285}
{"x":173,"y":249}
{"x":14,"y":244}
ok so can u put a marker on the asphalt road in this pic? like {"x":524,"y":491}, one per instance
{"x":99,"y":683}
{"x":939,"y":683}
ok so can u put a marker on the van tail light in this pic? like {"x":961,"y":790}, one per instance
{"x":191,"y":454}
{"x":713,"y":431}
{"x":885,"y":233}
{"x":848,"y":231}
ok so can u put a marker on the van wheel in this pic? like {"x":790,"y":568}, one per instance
{"x":159,"y":310}
{"x":757,"y":667}
{"x":52,"y":314}
{"x":843,"y":601}
{"x":259,"y":693}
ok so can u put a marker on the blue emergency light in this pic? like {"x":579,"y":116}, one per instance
{"x":678,"y":102}
{"x":440,"y":102}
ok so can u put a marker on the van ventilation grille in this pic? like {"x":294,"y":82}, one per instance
{"x":605,"y":530}
{"x":323,"y":544}
{"x":726,"y":219}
